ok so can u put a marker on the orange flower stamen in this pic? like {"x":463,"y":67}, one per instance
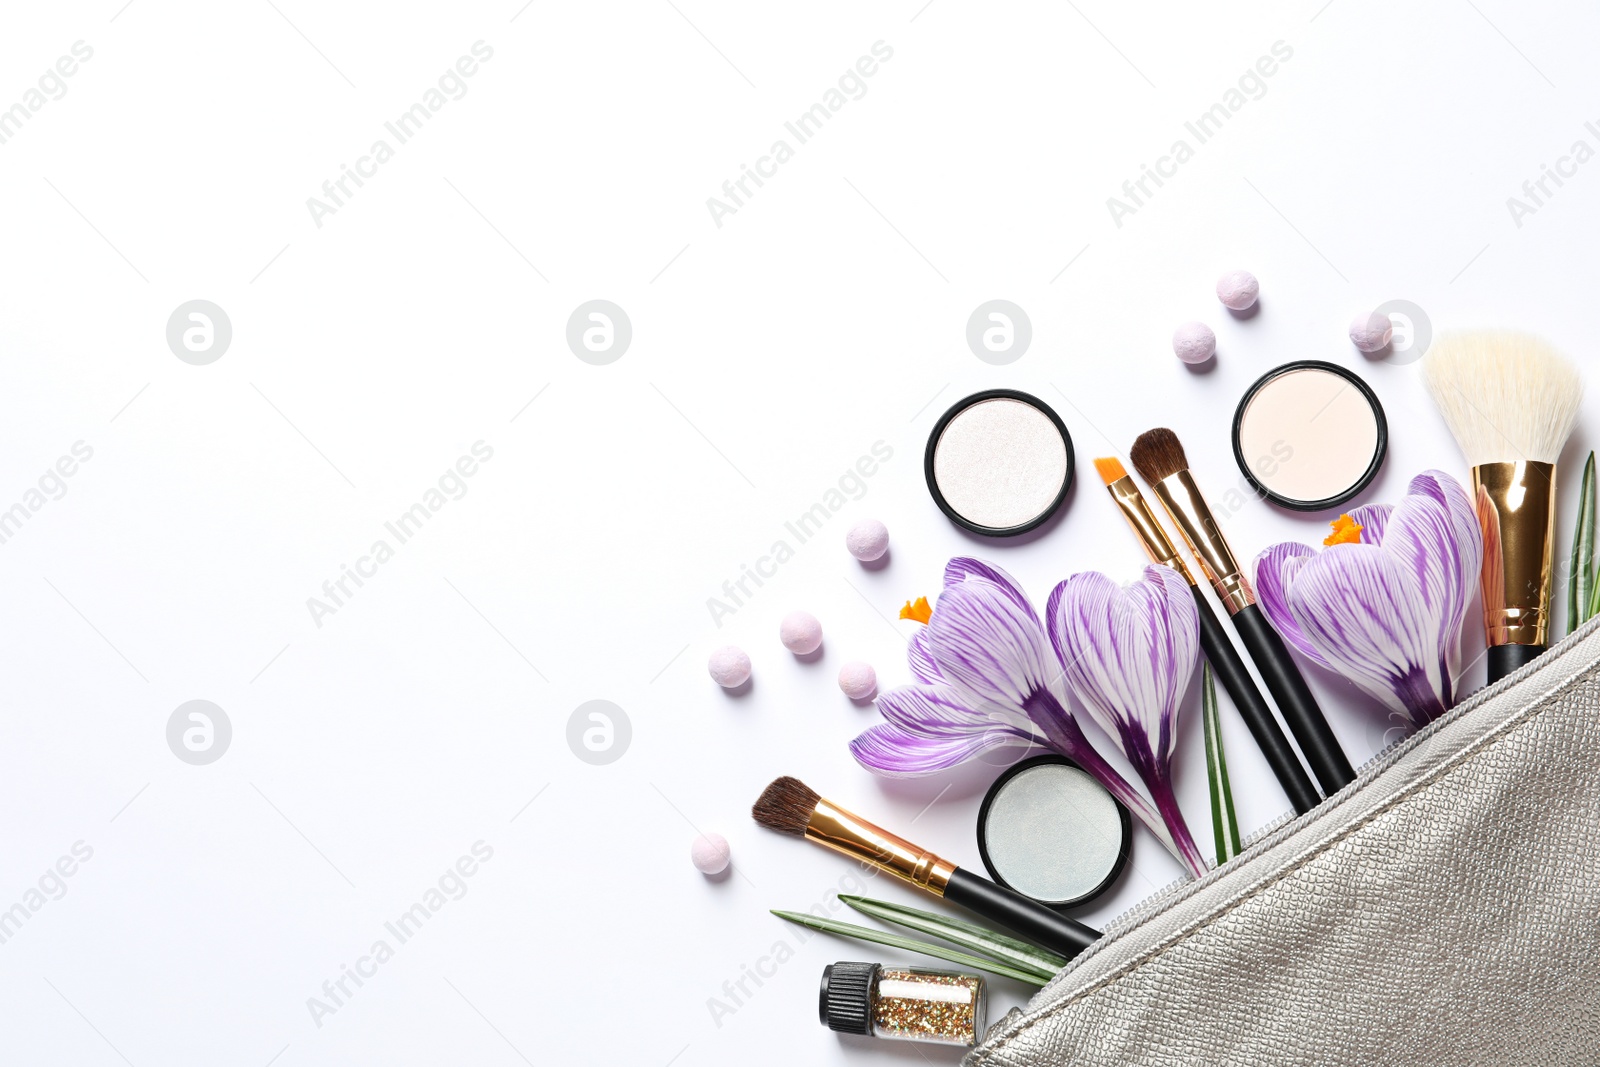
{"x":917,"y":611}
{"x":1346,"y":531}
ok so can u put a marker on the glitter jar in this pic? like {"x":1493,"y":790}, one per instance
{"x":904,"y":1003}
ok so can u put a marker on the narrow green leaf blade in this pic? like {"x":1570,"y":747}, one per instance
{"x":1594,"y":600}
{"x":885,"y":937}
{"x":1224,"y":822}
{"x":1581,"y":584}
{"x":967,"y":935}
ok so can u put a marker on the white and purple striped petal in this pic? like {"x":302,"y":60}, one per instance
{"x":939,"y":711}
{"x":990,"y":648}
{"x":1129,"y":655}
{"x":1275,"y":573}
{"x":967,"y":569}
{"x":920,"y":658}
{"x":1335,"y":600}
{"x":892,"y":752}
{"x":1373,"y":520}
{"x":1388,"y":612}
{"x":1435,"y":533}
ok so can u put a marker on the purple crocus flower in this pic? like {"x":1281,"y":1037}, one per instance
{"x":1129,"y":654}
{"x":986,"y":676}
{"x":1386,"y":611}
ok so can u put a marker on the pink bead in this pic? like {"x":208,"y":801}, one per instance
{"x":1371,"y":331}
{"x":710,"y":853}
{"x":858,"y":680}
{"x":800,"y":633}
{"x":1238,"y":290}
{"x":1194,"y":342}
{"x":729,"y":666}
{"x":867,"y":540}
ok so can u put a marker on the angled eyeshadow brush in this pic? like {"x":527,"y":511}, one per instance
{"x":1219,"y":650}
{"x":789,"y":806}
{"x":1159,"y":458}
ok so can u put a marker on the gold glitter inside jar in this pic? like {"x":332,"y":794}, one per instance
{"x":903,"y":1003}
{"x":938,"y":1006}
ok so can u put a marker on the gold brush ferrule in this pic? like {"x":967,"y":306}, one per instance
{"x":1125,"y":492}
{"x":843,"y":832}
{"x":1517,"y":510}
{"x":1182,"y":499}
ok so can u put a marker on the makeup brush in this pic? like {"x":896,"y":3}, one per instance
{"x":1158,"y":456}
{"x":1511,"y":401}
{"x":789,"y":806}
{"x":1225,"y":661}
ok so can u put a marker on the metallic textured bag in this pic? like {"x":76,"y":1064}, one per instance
{"x":1442,"y":910}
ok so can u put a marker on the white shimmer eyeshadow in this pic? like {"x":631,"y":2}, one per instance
{"x":1000,"y":463}
{"x":1053,"y":833}
{"x":1309,"y":435}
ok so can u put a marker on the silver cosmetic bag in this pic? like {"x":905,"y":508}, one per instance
{"x":1443,"y":909}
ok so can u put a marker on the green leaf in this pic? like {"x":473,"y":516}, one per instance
{"x":957,"y":932}
{"x":884,"y":937}
{"x":1581,"y":585}
{"x":1594,"y":600}
{"x":1224,"y":823}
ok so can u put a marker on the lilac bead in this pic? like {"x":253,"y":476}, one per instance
{"x":858,"y":680}
{"x":1238,"y":290}
{"x":729,"y":666}
{"x":800,"y":633}
{"x":1371,"y":331}
{"x":1194,"y":342}
{"x":710,"y":853}
{"x":867,"y":540}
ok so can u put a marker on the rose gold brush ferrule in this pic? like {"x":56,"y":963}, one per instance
{"x":1182,"y":499}
{"x":1517,"y":509}
{"x":843,"y":832}
{"x":1125,"y":492}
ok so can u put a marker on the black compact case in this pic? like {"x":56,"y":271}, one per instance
{"x":1337,"y":499}
{"x":1122,"y":827}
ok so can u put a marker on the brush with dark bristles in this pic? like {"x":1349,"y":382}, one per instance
{"x":789,"y":806}
{"x":1224,"y":659}
{"x":1511,"y":401}
{"x":1158,"y":456}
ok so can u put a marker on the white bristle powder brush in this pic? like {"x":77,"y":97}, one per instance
{"x":1511,"y":401}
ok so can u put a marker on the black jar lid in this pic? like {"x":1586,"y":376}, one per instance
{"x":845,"y":1002}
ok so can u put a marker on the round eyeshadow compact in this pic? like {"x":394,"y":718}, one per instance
{"x":1310,"y":435}
{"x":1049,"y":831}
{"x":999,"y":463}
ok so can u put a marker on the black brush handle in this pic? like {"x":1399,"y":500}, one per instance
{"x":1026,"y":918}
{"x":1508,"y":659}
{"x":1294,"y":698}
{"x":1235,"y":678}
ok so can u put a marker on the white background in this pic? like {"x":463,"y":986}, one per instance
{"x":827,"y":314}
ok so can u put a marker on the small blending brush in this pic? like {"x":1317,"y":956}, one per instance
{"x":1511,"y":402}
{"x":789,"y":806}
{"x":1159,"y":458}
{"x":1219,"y":649}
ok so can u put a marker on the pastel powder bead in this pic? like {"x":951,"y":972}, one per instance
{"x":1238,"y":290}
{"x":867,"y":540}
{"x":800,"y":633}
{"x":710,"y":853}
{"x":1194,"y":342}
{"x":729,"y":666}
{"x":1371,"y":332}
{"x":858,"y":680}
